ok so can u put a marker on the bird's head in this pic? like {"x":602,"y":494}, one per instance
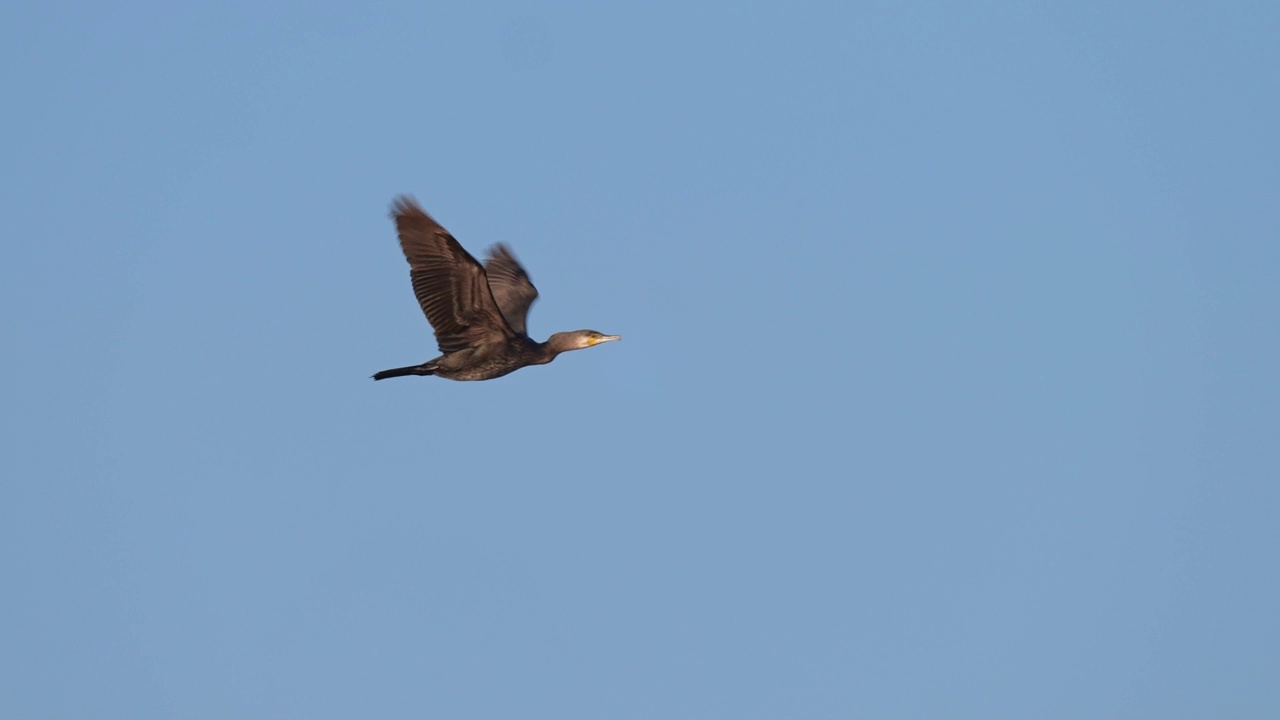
{"x":578,"y":339}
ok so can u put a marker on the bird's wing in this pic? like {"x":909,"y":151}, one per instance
{"x":451,"y":286}
{"x":512,"y":289}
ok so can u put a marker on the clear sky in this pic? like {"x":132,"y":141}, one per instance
{"x":947,"y":389}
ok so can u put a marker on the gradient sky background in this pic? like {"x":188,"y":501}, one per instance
{"x":948,"y":386}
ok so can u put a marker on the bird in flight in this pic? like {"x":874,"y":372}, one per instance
{"x":478,"y":311}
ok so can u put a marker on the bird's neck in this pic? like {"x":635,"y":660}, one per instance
{"x":545,"y":352}
{"x":558,"y":343}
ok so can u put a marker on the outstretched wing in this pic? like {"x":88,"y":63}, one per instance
{"x":450,"y":285}
{"x":512,"y":289}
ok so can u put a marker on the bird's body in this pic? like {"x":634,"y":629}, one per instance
{"x":478,"y":312}
{"x":481,"y":362}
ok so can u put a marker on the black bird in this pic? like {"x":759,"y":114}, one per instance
{"x":478,"y":312}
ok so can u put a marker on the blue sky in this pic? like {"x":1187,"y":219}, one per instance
{"x":947,"y":388}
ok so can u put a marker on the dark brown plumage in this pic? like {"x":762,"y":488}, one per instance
{"x":478,"y":312}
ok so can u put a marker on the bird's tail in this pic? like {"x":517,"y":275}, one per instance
{"x":427,"y":369}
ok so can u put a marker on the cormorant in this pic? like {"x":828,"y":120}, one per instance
{"x":478,"y":312}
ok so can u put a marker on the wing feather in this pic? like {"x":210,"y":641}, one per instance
{"x":511,"y":287}
{"x":451,"y":286}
